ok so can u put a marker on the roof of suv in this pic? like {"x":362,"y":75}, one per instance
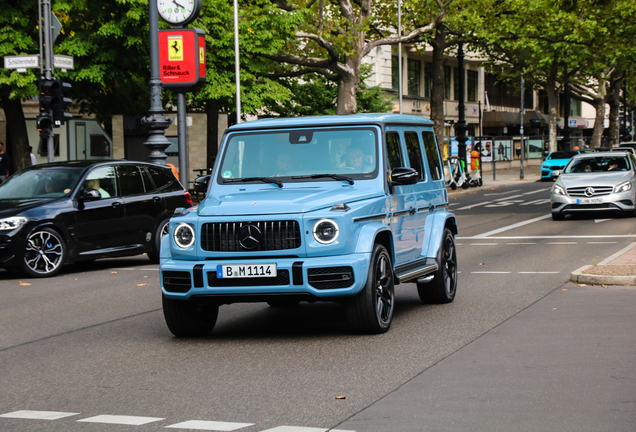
{"x":335,"y":120}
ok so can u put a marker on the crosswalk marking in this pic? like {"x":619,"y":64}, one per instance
{"x":38,"y":415}
{"x":302,"y":429}
{"x":121,"y":420}
{"x":209,"y":425}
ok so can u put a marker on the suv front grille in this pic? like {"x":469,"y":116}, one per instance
{"x":275,"y":235}
{"x":598,"y":191}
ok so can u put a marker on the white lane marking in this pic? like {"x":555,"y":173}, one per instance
{"x":504,"y":203}
{"x":303,"y":429}
{"x":602,"y":242}
{"x":132,"y":268}
{"x":537,"y":202}
{"x":562,"y":243}
{"x":520,"y":243}
{"x":473,"y":205}
{"x":537,"y":191}
{"x":513,"y":226}
{"x":548,"y":272}
{"x":479,"y":237}
{"x":490,"y":272}
{"x":484,"y":244}
{"x":38,"y":415}
{"x":121,"y":420}
{"x":503,"y":193}
{"x":601,"y":220}
{"x":209,"y":425}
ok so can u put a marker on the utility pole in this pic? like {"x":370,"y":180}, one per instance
{"x":460,"y":126}
{"x":155,"y":122}
{"x":48,"y":74}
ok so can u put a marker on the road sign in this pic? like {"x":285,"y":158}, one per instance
{"x":22,"y":62}
{"x":63,"y":62}
{"x":56,"y":26}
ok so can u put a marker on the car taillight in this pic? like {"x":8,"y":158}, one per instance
{"x":188,"y":197}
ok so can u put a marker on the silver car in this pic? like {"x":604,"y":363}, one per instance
{"x":594,"y":182}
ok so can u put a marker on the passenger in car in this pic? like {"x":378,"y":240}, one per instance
{"x":94,"y":184}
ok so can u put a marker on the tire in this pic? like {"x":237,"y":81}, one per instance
{"x":162,"y":230}
{"x":453,"y":186}
{"x":187,"y":318}
{"x":44,"y":254}
{"x":480,"y":182}
{"x":558,"y":216}
{"x":443,"y":287}
{"x":465,"y":185}
{"x":371,"y":310}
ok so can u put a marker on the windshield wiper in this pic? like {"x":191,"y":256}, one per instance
{"x":333,"y":176}
{"x":248,"y":179}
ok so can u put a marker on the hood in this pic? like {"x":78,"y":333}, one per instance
{"x":595,"y":179}
{"x":280,"y":201}
{"x":12,"y":207}
{"x":555,"y":162}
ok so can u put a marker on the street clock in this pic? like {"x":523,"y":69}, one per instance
{"x":178,"y":12}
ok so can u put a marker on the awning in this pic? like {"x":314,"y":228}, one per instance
{"x":505,"y":118}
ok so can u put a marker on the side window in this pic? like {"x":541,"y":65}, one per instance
{"x":103,"y":180}
{"x":394,"y":150}
{"x":160,"y":178}
{"x":130,"y":180}
{"x":145,"y":177}
{"x":432,"y":155}
{"x":415,"y":153}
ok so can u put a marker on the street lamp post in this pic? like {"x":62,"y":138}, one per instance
{"x":521,"y":174}
{"x":460,"y":126}
{"x":566,"y":120}
{"x":156,"y":123}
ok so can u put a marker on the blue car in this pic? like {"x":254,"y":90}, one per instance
{"x":334,"y":208}
{"x":556,"y":161}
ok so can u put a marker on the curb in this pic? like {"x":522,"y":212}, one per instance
{"x":578,"y":276}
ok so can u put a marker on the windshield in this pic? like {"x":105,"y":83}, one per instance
{"x":46,"y":182}
{"x":598,"y":164}
{"x":562,"y":154}
{"x":294,"y":155}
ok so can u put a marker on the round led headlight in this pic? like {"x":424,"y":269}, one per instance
{"x":326,"y":231}
{"x":184,"y":235}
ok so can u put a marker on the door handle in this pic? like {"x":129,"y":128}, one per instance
{"x":412,"y":211}
{"x":431,"y":207}
{"x":156,"y":199}
{"x":116,"y":204}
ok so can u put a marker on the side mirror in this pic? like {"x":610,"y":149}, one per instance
{"x":201,"y":184}
{"x":404,"y":176}
{"x":89,"y":194}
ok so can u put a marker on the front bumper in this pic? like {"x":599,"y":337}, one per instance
{"x":615,"y":202}
{"x":309,"y":278}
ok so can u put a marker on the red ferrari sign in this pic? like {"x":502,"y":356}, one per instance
{"x":182,"y":58}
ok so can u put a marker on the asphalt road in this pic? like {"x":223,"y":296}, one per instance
{"x":89,"y":348}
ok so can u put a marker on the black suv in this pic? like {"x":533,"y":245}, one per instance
{"x":64,"y":212}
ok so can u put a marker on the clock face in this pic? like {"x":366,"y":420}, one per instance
{"x":178,"y":11}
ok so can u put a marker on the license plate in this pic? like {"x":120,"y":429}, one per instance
{"x":246,"y":270}
{"x":589,"y":201}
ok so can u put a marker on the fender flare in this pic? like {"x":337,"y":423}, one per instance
{"x":441,"y":220}
{"x":368,"y":235}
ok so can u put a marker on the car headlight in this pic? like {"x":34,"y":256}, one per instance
{"x":623,"y":187}
{"x":12,"y":223}
{"x":326,"y":231}
{"x":184,"y":235}
{"x":558,"y":190}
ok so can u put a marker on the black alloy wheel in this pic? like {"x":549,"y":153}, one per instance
{"x":44,"y":254}
{"x":443,"y":287}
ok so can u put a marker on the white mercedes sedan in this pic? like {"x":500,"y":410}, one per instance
{"x":595,"y":182}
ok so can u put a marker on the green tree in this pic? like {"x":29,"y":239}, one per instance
{"x":18,"y":36}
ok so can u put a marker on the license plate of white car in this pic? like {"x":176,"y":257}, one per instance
{"x":246,"y":270}
{"x":589,"y":201}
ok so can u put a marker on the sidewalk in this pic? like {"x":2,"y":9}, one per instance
{"x":503,"y":177}
{"x":618,"y":269}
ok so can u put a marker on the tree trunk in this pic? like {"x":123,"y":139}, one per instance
{"x":347,"y":91}
{"x":599,"y":123}
{"x":17,"y":145}
{"x":212,"y":139}
{"x":614,"y":101}
{"x":551,"y":91}
{"x":437,"y":91}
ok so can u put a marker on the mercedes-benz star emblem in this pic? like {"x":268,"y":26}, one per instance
{"x":589,"y":192}
{"x":249,"y":237}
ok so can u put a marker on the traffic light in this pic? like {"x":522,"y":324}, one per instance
{"x":59,"y":115}
{"x":53,"y":102}
{"x":43,"y":122}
